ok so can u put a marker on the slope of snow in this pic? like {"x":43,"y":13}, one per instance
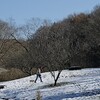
{"x":80,"y":85}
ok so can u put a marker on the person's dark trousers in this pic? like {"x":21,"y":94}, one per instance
{"x":38,"y":75}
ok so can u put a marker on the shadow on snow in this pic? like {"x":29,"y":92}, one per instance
{"x":73,"y":95}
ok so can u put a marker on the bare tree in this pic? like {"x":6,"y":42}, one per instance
{"x":5,"y":38}
{"x":26,"y":61}
{"x":50,"y":49}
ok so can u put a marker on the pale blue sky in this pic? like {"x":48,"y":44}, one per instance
{"x":54,"y":10}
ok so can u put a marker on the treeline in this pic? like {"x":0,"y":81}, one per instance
{"x":74,"y":41}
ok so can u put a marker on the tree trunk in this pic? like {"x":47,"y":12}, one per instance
{"x":55,"y":83}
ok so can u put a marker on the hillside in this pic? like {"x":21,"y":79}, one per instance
{"x":76,"y":85}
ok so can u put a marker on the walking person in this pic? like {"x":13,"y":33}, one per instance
{"x":38,"y":75}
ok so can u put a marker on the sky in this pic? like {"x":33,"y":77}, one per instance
{"x":54,"y":10}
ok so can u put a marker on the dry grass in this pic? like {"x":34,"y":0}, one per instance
{"x":38,"y":95}
{"x":2,"y":70}
{"x":11,"y":75}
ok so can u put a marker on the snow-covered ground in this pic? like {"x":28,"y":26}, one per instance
{"x":78,"y":85}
